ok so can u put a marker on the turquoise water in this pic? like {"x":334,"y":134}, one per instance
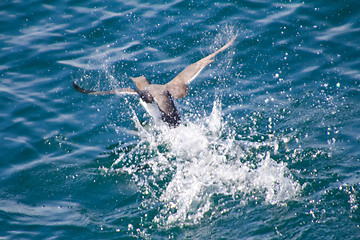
{"x":269,"y":147}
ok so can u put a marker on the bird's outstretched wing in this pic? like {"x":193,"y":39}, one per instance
{"x":177,"y":87}
{"x":140,"y":82}
{"x":119,"y":91}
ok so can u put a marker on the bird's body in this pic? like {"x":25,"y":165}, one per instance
{"x":163,"y":95}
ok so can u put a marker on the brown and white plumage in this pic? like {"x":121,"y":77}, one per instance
{"x":163,"y":95}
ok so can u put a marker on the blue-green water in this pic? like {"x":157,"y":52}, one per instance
{"x":270,"y":142}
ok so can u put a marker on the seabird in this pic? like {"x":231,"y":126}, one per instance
{"x":163,"y":95}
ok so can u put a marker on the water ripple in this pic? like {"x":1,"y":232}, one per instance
{"x":278,"y":160}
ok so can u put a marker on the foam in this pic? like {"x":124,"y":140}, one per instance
{"x":187,"y":166}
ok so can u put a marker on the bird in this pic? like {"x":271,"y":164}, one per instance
{"x":163,"y":95}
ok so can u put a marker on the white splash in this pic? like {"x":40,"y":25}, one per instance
{"x":194,"y":162}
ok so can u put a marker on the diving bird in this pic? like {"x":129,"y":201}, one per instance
{"x":163,"y":95}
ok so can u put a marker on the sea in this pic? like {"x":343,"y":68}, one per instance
{"x":268,"y":146}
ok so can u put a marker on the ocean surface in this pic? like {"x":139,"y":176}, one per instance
{"x":268,"y":148}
